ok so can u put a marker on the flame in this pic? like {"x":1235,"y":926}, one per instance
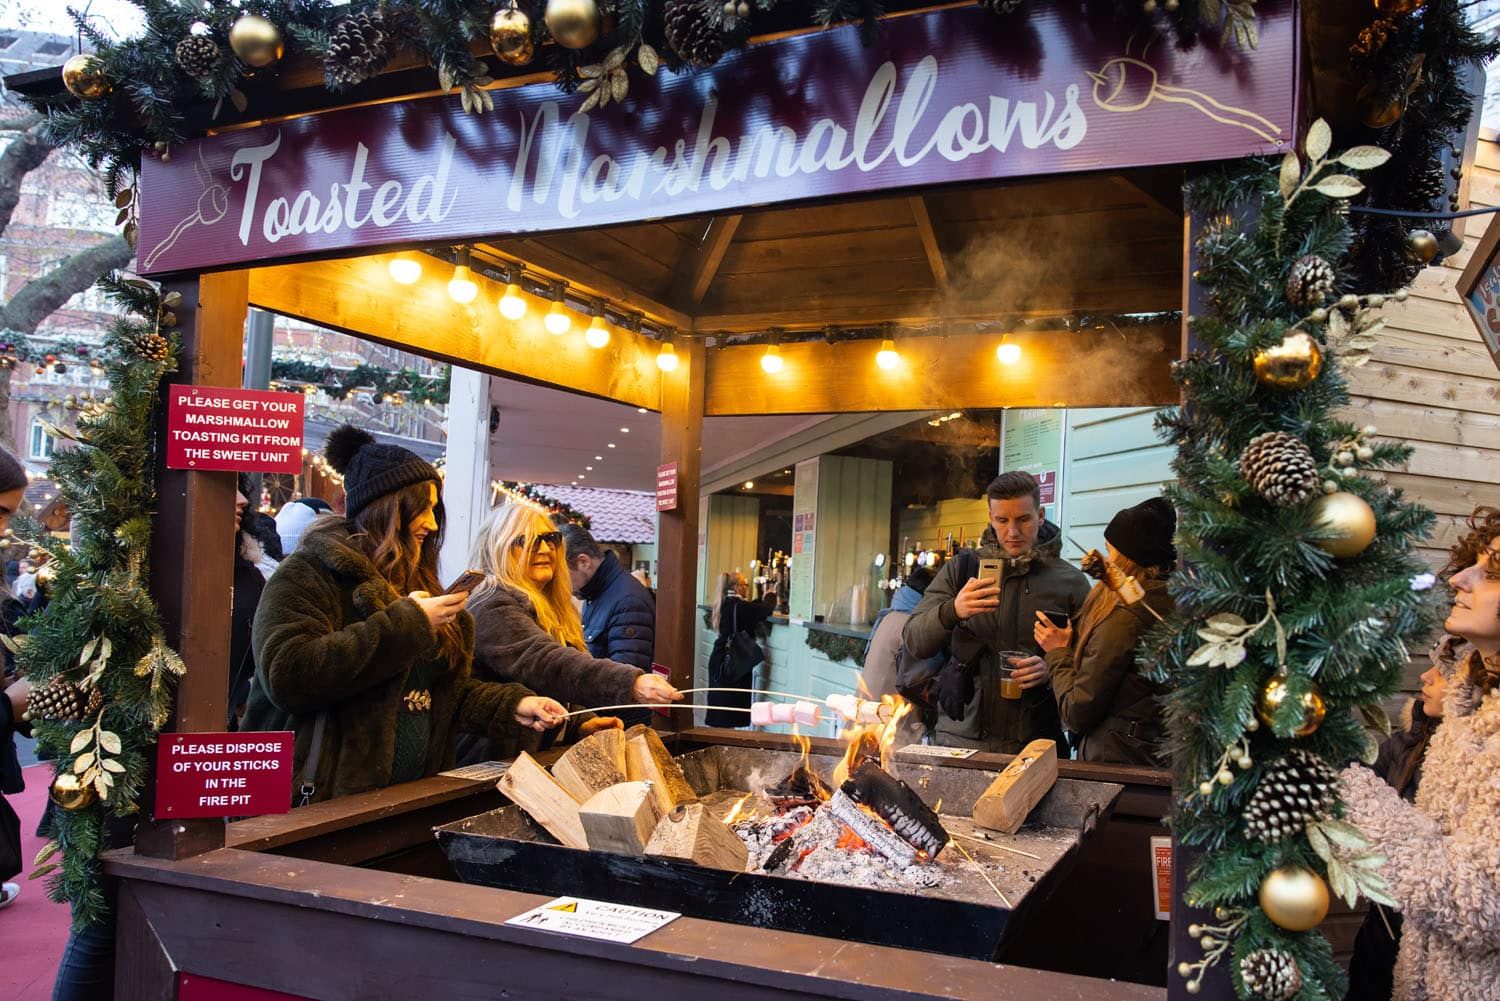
{"x":873,"y":740}
{"x":804,"y":747}
{"x":736,"y":810}
{"x":938,"y":808}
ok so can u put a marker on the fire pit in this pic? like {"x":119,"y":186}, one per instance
{"x":809,"y":870}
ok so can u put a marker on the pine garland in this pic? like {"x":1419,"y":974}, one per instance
{"x":1257,"y":598}
{"x":101,"y":629}
{"x":408,"y":384}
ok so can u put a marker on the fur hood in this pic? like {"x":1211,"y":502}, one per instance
{"x":1048,"y":547}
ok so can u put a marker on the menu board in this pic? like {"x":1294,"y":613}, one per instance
{"x":1032,"y":441}
{"x":804,"y":534}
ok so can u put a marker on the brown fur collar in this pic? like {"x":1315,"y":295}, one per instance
{"x":330,"y":547}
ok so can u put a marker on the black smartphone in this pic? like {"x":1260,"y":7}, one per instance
{"x":467,"y":581}
{"x":1058,"y":619}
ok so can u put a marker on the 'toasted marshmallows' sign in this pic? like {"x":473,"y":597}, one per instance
{"x":234,"y":430}
{"x":223,"y":774}
{"x":942,"y":96}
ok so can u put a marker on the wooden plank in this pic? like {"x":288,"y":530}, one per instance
{"x":357,"y":296}
{"x":1455,"y":497}
{"x":1415,"y":350}
{"x":945,"y":373}
{"x":1425,"y":423}
{"x":815,"y":220}
{"x":1016,"y":791}
{"x":681,"y":402}
{"x":1419,"y":386}
{"x":528,"y":785}
{"x":621,"y":818}
{"x":591,"y":765}
{"x":821,"y":250}
{"x":698,"y":269}
{"x":693,"y":834}
{"x":191,"y":545}
{"x":929,"y":239}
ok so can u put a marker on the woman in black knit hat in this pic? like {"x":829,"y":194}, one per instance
{"x":358,"y":652}
{"x":1101,"y":695}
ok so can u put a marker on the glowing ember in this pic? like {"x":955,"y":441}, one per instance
{"x":850,"y":842}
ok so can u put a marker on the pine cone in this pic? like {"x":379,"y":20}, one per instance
{"x":57,"y":698}
{"x":1271,"y":974}
{"x":694,"y":30}
{"x":358,"y":49}
{"x":95,"y":704}
{"x":1310,"y":282}
{"x":1279,"y":468}
{"x":1295,"y":789}
{"x":152,"y":346}
{"x":198,"y":55}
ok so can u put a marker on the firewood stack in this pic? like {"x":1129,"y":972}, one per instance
{"x":621,"y":791}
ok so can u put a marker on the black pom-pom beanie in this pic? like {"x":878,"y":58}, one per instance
{"x":370,"y":469}
{"x":1144,"y":532}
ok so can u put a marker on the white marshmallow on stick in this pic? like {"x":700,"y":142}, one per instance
{"x":760,"y":713}
{"x":807,"y":713}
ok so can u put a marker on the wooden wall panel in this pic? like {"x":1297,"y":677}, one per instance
{"x":854,"y":523}
{"x":733,"y":533}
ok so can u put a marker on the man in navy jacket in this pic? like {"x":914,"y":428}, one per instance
{"x":619,"y":614}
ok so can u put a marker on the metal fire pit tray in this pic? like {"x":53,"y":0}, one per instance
{"x":960,"y":916}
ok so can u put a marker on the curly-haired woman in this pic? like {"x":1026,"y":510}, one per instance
{"x":1441,"y":857}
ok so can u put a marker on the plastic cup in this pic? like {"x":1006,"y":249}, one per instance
{"x":1010,"y":688}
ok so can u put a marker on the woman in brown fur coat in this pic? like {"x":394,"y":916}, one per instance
{"x":1441,"y":856}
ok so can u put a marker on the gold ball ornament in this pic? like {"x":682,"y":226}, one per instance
{"x":256,"y":41}
{"x":574,"y":24}
{"x":1349,"y":518}
{"x":71,"y":793}
{"x":510,"y":36}
{"x":1275,"y":693}
{"x":84,"y":78}
{"x":1294,"y":898}
{"x":1421,"y":246}
{"x":1292,"y":364}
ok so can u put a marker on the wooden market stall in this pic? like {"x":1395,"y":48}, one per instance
{"x":942,"y":189}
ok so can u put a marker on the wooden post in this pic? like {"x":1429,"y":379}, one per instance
{"x":192,"y":547}
{"x":677,"y":530}
{"x":466,"y":488}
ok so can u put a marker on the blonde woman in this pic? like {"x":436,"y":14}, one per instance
{"x":526,"y":625}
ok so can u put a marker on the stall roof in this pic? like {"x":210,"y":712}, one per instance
{"x":614,"y":515}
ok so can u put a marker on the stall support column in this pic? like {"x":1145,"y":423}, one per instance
{"x":192,"y":548}
{"x":677,"y":530}
{"x":466,"y":485}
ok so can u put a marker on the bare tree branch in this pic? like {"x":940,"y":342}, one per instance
{"x":26,"y":153}
{"x":43,"y":295}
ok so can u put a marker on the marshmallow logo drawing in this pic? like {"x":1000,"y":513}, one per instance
{"x":1125,"y":85}
{"x":212,"y":205}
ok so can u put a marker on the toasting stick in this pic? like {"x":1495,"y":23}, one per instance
{"x":1099,"y":567}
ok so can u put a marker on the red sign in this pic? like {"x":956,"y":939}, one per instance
{"x":940,"y":97}
{"x":1161,"y":876}
{"x":234,"y":430}
{"x":1046,"y":481}
{"x":666,"y":487}
{"x":223,"y":774}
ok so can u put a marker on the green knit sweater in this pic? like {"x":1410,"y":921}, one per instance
{"x":414,"y":725}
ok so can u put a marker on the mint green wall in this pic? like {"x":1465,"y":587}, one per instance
{"x":733,"y":526}
{"x":1114,"y":459}
{"x":854,"y":524}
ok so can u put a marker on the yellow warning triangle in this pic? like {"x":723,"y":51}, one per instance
{"x":571,"y":907}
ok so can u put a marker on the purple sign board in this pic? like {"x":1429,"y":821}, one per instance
{"x":943,"y":96}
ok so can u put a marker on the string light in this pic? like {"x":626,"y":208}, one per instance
{"x":771,"y":362}
{"x":405,"y":269}
{"x":886,"y":357}
{"x":512,"y":303}
{"x":597,"y":335}
{"x":666,"y":358}
{"x":557,"y":321}
{"x":461,"y":287}
{"x":1008,"y":352}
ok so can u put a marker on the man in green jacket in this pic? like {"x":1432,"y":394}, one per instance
{"x":983,"y":619}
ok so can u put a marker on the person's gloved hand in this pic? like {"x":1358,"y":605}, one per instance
{"x":955,"y":689}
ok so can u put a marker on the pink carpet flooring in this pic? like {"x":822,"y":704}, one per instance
{"x":33,"y":929}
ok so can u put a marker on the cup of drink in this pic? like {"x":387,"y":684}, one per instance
{"x":1010,"y":688}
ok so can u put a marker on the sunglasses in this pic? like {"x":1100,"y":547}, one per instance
{"x":553,"y":539}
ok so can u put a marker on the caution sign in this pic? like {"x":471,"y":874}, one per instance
{"x":596,"y":919}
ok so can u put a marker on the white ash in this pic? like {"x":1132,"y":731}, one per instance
{"x":828,"y":863}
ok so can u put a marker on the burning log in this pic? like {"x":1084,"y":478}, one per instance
{"x":800,"y":788}
{"x":898,"y":805}
{"x":870,"y":828}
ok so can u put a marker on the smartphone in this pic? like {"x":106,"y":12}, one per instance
{"x":991,"y":570}
{"x":1058,"y":619}
{"x":467,"y":581}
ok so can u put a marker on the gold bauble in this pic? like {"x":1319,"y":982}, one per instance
{"x":1294,"y":898}
{"x":1421,"y":246}
{"x":84,"y":78}
{"x":1292,"y":364}
{"x":71,"y":793}
{"x":1274,"y":694}
{"x":256,"y":41}
{"x":573,"y":23}
{"x":1349,"y":518}
{"x":510,"y":36}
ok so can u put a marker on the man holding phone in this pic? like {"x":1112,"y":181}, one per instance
{"x":988,"y":609}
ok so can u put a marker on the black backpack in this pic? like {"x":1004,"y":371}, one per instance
{"x":917,"y":677}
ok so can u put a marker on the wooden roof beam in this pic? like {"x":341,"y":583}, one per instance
{"x":699,"y":270}
{"x":928,"y":235}
{"x":536,"y":254}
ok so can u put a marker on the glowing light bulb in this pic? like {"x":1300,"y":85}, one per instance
{"x":461,"y":287}
{"x":771,"y":362}
{"x":557,"y":320}
{"x":405,"y":270}
{"x":749,"y":484}
{"x":666,"y":359}
{"x":512,"y":305}
{"x":598,"y":333}
{"x":887,"y":358}
{"x":1008,"y":353}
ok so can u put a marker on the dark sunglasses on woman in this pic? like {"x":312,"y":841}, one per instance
{"x":553,"y":539}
